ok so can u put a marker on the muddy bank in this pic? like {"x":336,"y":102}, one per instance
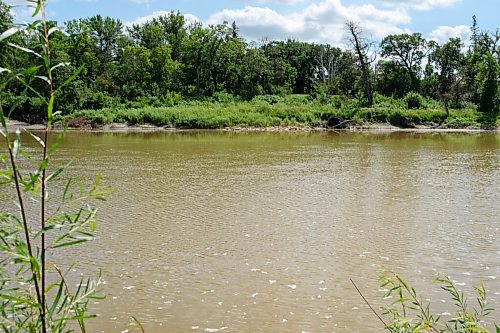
{"x":13,"y":125}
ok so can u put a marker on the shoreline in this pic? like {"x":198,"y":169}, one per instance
{"x":13,"y":125}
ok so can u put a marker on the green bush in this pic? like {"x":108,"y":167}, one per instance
{"x":413,"y":100}
{"x":409,"y":313}
{"x":269,"y":99}
{"x":172,"y":99}
{"x":223,"y":98}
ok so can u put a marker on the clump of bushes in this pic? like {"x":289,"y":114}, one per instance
{"x":413,"y":100}
{"x":269,"y":99}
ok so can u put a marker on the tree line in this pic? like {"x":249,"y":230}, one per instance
{"x":167,"y":59}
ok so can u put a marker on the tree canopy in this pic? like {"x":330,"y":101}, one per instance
{"x":149,"y":63}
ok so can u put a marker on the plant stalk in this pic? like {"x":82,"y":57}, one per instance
{"x":26,"y":232}
{"x":44,"y":171}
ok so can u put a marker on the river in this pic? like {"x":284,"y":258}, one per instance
{"x":262,"y":232}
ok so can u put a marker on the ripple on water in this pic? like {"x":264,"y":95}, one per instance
{"x":263,"y":232}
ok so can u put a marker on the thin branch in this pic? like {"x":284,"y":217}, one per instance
{"x":371,"y":308}
{"x":25,"y":226}
{"x":44,"y":171}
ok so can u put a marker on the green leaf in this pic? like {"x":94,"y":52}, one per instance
{"x":71,"y":78}
{"x":49,"y":110}
{"x":66,"y":189}
{"x":56,"y":299}
{"x":52,"y":30}
{"x":3,"y":121}
{"x":61,"y":64}
{"x":96,"y":183}
{"x":35,"y":264}
{"x":25,"y":49}
{"x":497,"y":328}
{"x":44,"y":78}
{"x":8,"y":33}
{"x":31,"y":70}
{"x":40,"y":141}
{"x":55,"y":174}
{"x":43,"y":165}
{"x":38,"y":8}
{"x":27,"y":85}
{"x":78,"y":241}
{"x":34,"y":24}
{"x":56,"y":143}
{"x":17,"y":143}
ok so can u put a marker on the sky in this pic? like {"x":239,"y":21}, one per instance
{"x":320,"y":21}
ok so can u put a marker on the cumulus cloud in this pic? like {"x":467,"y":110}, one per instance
{"x":190,"y":18}
{"x":323,"y":21}
{"x":443,"y":33}
{"x":419,"y":4}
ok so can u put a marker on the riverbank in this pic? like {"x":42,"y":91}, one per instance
{"x":13,"y":125}
{"x":280,"y":116}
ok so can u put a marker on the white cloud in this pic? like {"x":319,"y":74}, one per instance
{"x":443,"y":33}
{"x":420,"y":4}
{"x":323,"y":21}
{"x":190,"y":18}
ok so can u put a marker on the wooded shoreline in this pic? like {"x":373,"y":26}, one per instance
{"x":13,"y":125}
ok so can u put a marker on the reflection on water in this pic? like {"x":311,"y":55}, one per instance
{"x":261,"y":232}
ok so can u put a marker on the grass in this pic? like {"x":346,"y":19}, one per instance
{"x":276,"y":111}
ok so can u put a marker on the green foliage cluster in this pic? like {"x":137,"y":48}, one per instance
{"x":413,"y":100}
{"x":276,"y":111}
{"x":167,"y":60}
{"x":409,"y":313}
{"x":37,"y":293}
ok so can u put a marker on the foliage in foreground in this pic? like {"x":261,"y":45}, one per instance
{"x":37,"y":293}
{"x":410,"y":314}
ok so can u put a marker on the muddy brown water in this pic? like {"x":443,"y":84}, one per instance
{"x":261,"y":232}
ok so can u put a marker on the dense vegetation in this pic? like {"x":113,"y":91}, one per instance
{"x":181,"y":74}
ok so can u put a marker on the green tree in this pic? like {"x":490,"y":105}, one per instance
{"x":105,"y":33}
{"x":407,"y":51}
{"x":489,"y":75}
{"x":448,"y":60}
{"x":392,"y":80}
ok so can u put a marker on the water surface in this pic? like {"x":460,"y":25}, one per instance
{"x":261,"y":232}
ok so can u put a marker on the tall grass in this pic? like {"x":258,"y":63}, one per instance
{"x":277,"y":111}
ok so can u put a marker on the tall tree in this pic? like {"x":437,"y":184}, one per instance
{"x":407,"y":51}
{"x":448,"y":60}
{"x":361,"y":47}
{"x":105,"y":33}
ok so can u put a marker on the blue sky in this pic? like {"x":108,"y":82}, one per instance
{"x":307,"y":20}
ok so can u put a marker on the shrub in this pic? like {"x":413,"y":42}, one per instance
{"x":172,"y":99}
{"x":269,"y":99}
{"x":413,"y":100}
{"x":410,"y":314}
{"x":223,"y":98}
